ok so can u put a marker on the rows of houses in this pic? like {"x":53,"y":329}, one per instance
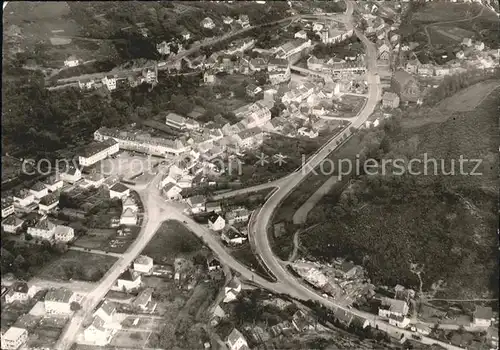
{"x":57,"y":302}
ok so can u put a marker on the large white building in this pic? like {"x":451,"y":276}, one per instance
{"x":72,"y":61}
{"x":141,"y":142}
{"x":119,"y":191}
{"x":106,"y":311}
{"x":143,"y":264}
{"x":71,"y":175}
{"x":97,"y":152}
{"x":53,"y":183}
{"x":12,"y":224}
{"x":180,"y":123}
{"x":129,"y":280}
{"x":39,"y":190}
{"x":24,"y":198}
{"x":14,"y":338}
{"x":97,"y":334}
{"x":287,"y":50}
{"x":58,"y":301}
{"x":43,"y":229}
{"x":48,"y":203}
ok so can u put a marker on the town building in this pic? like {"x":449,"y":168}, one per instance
{"x":119,"y":191}
{"x":180,"y":123}
{"x":406,"y":86}
{"x":12,"y":224}
{"x":334,"y":35}
{"x":58,"y":301}
{"x":207,"y":23}
{"x":142,"y":142}
{"x":24,"y":198}
{"x":307,"y":132}
{"x":213,"y":264}
{"x":98,"y":151}
{"x":143,"y":264}
{"x":86,"y":84}
{"x":129,"y":203}
{"x":39,"y":190}
{"x":110,"y":82}
{"x":232,"y":237}
{"x":393,"y":307}
{"x":48,"y":203}
{"x":335,"y":66}
{"x":172,"y":191}
{"x":390,"y":100}
{"x":236,"y":341}
{"x":301,"y":322}
{"x":71,"y":175}
{"x":347,"y":269}
{"x":19,"y":291}
{"x":213,"y":207}
{"x":163,"y":48}
{"x":43,"y":229}
{"x":482,"y":316}
{"x":128,"y":217}
{"x":97,"y":334}
{"x":14,"y":338}
{"x":237,"y":215}
{"x":291,"y":48}
{"x":106,"y":311}
{"x":64,"y":233}
{"x":53,"y":183}
{"x":7,"y":207}
{"x":216,"y":222}
{"x":302,"y":34}
{"x":250,"y":138}
{"x":253,"y":90}
{"x":231,"y":290}
{"x":227,"y":20}
{"x":244,"y":21}
{"x":129,"y":280}
{"x":71,"y":61}
{"x":144,"y":299}
{"x":399,"y":321}
{"x":197,"y":204}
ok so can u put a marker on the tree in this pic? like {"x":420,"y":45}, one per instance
{"x":28,"y":236}
{"x":74,"y":306}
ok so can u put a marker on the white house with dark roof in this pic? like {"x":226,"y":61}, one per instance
{"x":178,"y":122}
{"x":97,"y":151}
{"x":14,"y":338}
{"x":58,"y":301}
{"x":43,"y":229}
{"x":53,"y":183}
{"x":39,"y":190}
{"x":48,"y":203}
{"x":233,"y":237}
{"x":19,"y":291}
{"x":482,"y":316}
{"x":71,"y":175}
{"x":106,"y":311}
{"x":110,"y":82}
{"x":119,"y":191}
{"x":97,"y":334}
{"x":236,"y":341}
{"x":393,"y":307}
{"x":144,"y":300}
{"x":197,"y":204}
{"x":172,"y":191}
{"x":237,"y":215}
{"x":129,"y":280}
{"x":12,"y":224}
{"x":213,"y":264}
{"x":216,"y":222}
{"x":143,"y":264}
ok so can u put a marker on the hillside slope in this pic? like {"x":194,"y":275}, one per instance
{"x":445,"y":223}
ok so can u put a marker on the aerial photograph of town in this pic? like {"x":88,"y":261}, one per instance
{"x":236,"y":175}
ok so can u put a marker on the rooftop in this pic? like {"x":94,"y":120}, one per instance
{"x":14,"y":333}
{"x":119,"y":187}
{"x":143,"y":297}
{"x":60,"y":295}
{"x":484,"y":313}
{"x":96,"y":147}
{"x":12,"y":220}
{"x":38,"y":187}
{"x":63,"y":230}
{"x":213,"y":218}
{"x":44,"y":224}
{"x":49,"y":199}
{"x":20,"y":287}
{"x":143,"y":260}
{"x":250,"y":133}
{"x":108,"y":307}
{"x":127,"y":276}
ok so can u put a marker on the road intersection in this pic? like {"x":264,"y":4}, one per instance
{"x":157,"y":210}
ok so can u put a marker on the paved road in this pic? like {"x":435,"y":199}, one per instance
{"x":246,"y":190}
{"x":300,"y":216}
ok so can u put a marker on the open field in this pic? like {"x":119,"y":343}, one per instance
{"x":468,"y":99}
{"x":443,"y":11}
{"x":448,"y":34}
{"x":130,"y":339}
{"x":172,"y":239}
{"x":77,"y":265}
{"x":445,"y":224}
{"x":129,"y":166}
